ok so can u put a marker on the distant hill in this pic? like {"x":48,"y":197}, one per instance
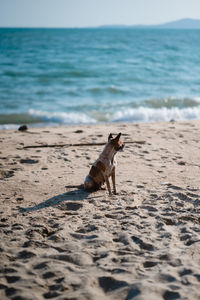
{"x":182,"y":24}
{"x":179,"y":24}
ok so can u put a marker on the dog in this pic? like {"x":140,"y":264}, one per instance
{"x":104,"y":166}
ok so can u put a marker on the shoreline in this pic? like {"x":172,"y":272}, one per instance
{"x":58,"y":241}
{"x":52,"y":125}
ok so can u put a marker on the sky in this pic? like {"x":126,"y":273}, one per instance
{"x":92,"y":13}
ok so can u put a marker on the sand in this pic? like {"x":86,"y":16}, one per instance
{"x":59,"y":242}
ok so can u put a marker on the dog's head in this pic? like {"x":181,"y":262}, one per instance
{"x":116,"y":142}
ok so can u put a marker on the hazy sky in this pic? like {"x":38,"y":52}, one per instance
{"x":83,"y":13}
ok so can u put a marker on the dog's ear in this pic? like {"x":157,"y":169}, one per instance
{"x":118,"y":136}
{"x":110,"y":137}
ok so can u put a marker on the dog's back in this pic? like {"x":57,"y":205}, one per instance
{"x":95,"y":178}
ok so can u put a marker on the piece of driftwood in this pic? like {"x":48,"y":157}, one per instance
{"x":77,"y":145}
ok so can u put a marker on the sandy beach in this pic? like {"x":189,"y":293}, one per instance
{"x":60,"y":242}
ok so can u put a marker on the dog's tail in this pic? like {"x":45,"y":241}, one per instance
{"x":78,"y":186}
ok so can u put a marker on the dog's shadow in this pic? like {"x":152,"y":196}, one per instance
{"x":68,"y":201}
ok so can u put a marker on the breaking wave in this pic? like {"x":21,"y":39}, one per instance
{"x":105,"y":114}
{"x":145,"y":114}
{"x":63,"y":117}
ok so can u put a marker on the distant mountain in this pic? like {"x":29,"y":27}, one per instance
{"x":179,"y":24}
{"x":182,"y":24}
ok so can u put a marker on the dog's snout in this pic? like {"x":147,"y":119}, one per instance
{"x":121,"y":147}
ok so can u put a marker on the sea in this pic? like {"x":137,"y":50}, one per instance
{"x":98,"y":75}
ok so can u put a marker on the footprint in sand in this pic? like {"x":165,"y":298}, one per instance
{"x":109,"y":284}
{"x":29,"y":161}
{"x":142,"y":245}
{"x":79,"y":131}
{"x":48,"y":275}
{"x":51,"y":294}
{"x":41,"y":265}
{"x":71,"y":206}
{"x":10,"y":291}
{"x":6,"y":174}
{"x":88,"y":228}
{"x":149,"y":264}
{"x":25,"y":254}
{"x":170,"y":295}
{"x":12,"y":279}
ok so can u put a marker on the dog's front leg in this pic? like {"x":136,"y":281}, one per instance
{"x":108,"y":184}
{"x":113,"y":181}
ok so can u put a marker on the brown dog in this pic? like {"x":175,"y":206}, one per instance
{"x":104,"y":166}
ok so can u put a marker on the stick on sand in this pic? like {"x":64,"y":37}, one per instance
{"x":76,"y":145}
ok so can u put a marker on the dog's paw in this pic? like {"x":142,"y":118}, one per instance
{"x":115,"y":192}
{"x":102,"y":188}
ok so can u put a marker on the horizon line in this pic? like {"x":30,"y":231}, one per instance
{"x":104,"y":26}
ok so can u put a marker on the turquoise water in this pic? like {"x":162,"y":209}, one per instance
{"x":74,"y":76}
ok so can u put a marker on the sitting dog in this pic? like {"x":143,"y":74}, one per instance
{"x":104,"y":166}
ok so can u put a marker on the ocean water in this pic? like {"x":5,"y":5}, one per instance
{"x":75,"y":76}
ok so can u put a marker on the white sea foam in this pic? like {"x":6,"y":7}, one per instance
{"x":145,"y":114}
{"x":197,"y":99}
{"x":140,"y":114}
{"x":63,"y":117}
{"x":8,"y":126}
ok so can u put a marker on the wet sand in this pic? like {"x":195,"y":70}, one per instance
{"x":59,"y":242}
